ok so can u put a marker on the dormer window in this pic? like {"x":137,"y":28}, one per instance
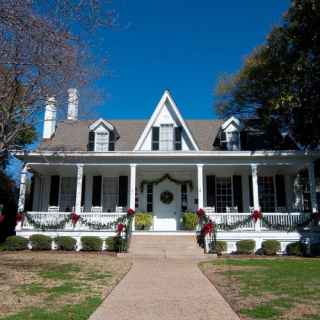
{"x":101,"y":141}
{"x":101,"y":137}
{"x":233,"y":141}
{"x":230,"y":135}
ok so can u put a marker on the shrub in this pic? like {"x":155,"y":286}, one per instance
{"x":246,"y":246}
{"x":315,"y":249}
{"x":270,"y":247}
{"x":143,"y":221}
{"x":65,"y":243}
{"x":219,"y":247}
{"x":294,"y":249}
{"x":189,"y":221}
{"x":40,"y":242}
{"x":116,"y":244}
{"x":91,"y":243}
{"x":15,"y":243}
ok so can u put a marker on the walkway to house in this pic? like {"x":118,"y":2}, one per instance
{"x":164,"y":289}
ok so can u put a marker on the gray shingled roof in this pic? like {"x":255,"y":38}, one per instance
{"x":73,"y":135}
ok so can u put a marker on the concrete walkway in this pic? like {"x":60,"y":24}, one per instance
{"x":166,"y":289}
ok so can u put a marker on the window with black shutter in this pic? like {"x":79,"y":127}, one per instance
{"x":96,"y":191}
{"x":237,"y":193}
{"x":83,"y":192}
{"x":54,"y":191}
{"x":184,"y":197}
{"x":155,"y":138}
{"x":123,"y":191}
{"x":281,"y":191}
{"x":149,"y":197}
{"x":91,"y":141}
{"x":177,"y":138}
{"x":250,"y":191}
{"x":111,"y":141}
{"x":211,"y":191}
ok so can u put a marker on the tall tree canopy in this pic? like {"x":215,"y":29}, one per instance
{"x":280,"y":81}
{"x":46,"y":47}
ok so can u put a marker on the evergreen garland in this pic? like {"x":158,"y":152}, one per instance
{"x":166,"y":177}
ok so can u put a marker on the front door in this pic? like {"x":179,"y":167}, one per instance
{"x":165,"y":211}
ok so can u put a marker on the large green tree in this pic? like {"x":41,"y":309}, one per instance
{"x":280,"y":80}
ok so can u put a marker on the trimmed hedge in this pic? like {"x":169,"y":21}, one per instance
{"x":143,"y":221}
{"x":91,"y":243}
{"x":189,"y":221}
{"x":315,"y":249}
{"x":116,"y":244}
{"x":295,"y":249}
{"x":40,"y":242}
{"x":270,"y":247}
{"x":219,"y":247}
{"x":15,"y":243}
{"x":246,"y":246}
{"x":65,"y":243}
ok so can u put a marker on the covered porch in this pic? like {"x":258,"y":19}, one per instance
{"x":102,"y":193}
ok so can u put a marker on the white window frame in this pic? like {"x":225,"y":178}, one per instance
{"x":166,"y":143}
{"x":233,"y":146}
{"x":223,"y":208}
{"x":101,"y":146}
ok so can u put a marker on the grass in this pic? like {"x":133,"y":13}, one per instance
{"x":279,"y":288}
{"x":49,"y":285}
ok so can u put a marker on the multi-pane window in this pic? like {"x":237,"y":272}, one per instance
{"x":101,"y":141}
{"x":224,"y":193}
{"x":266,"y":193}
{"x":166,"y":137}
{"x":184,"y":197}
{"x":149,"y":197}
{"x":68,"y":193}
{"x":110,"y":193}
{"x":233,"y":141}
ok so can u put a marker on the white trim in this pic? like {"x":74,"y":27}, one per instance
{"x":159,"y":154}
{"x":107,"y":124}
{"x":229,"y":121}
{"x":166,"y":96}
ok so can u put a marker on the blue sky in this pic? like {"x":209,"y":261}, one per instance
{"x":183,"y":46}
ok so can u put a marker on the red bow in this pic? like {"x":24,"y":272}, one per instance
{"x":208,"y":228}
{"x":200,"y":213}
{"x":256,"y":215}
{"x":120,"y":228}
{"x":19,"y":217}
{"x":130,"y":212}
{"x":2,"y":217}
{"x":74,"y":218}
{"x":316,"y":216}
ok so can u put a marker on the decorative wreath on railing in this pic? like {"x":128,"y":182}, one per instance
{"x":166,"y":197}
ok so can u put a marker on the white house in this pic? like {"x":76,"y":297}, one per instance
{"x":165,"y":165}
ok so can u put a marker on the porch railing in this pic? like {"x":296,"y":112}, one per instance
{"x":287,"y":220}
{"x":61,"y":221}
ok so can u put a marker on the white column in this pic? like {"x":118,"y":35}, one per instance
{"x":312,"y":183}
{"x":23,"y":187}
{"x":132,"y":202}
{"x":255,"y":187}
{"x":200,"y":185}
{"x":298,"y":202}
{"x":79,"y":188}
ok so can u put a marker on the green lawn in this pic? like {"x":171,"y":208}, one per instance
{"x":280,"y":288}
{"x":52,"y":285}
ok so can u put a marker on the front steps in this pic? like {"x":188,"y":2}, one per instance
{"x":165,"y":246}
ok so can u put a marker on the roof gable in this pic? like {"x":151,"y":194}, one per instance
{"x":169,"y":109}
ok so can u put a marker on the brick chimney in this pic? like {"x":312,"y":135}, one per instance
{"x":50,"y":118}
{"x":73,"y":104}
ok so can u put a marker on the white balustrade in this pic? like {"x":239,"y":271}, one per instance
{"x":54,"y":218}
{"x":286,"y":220}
